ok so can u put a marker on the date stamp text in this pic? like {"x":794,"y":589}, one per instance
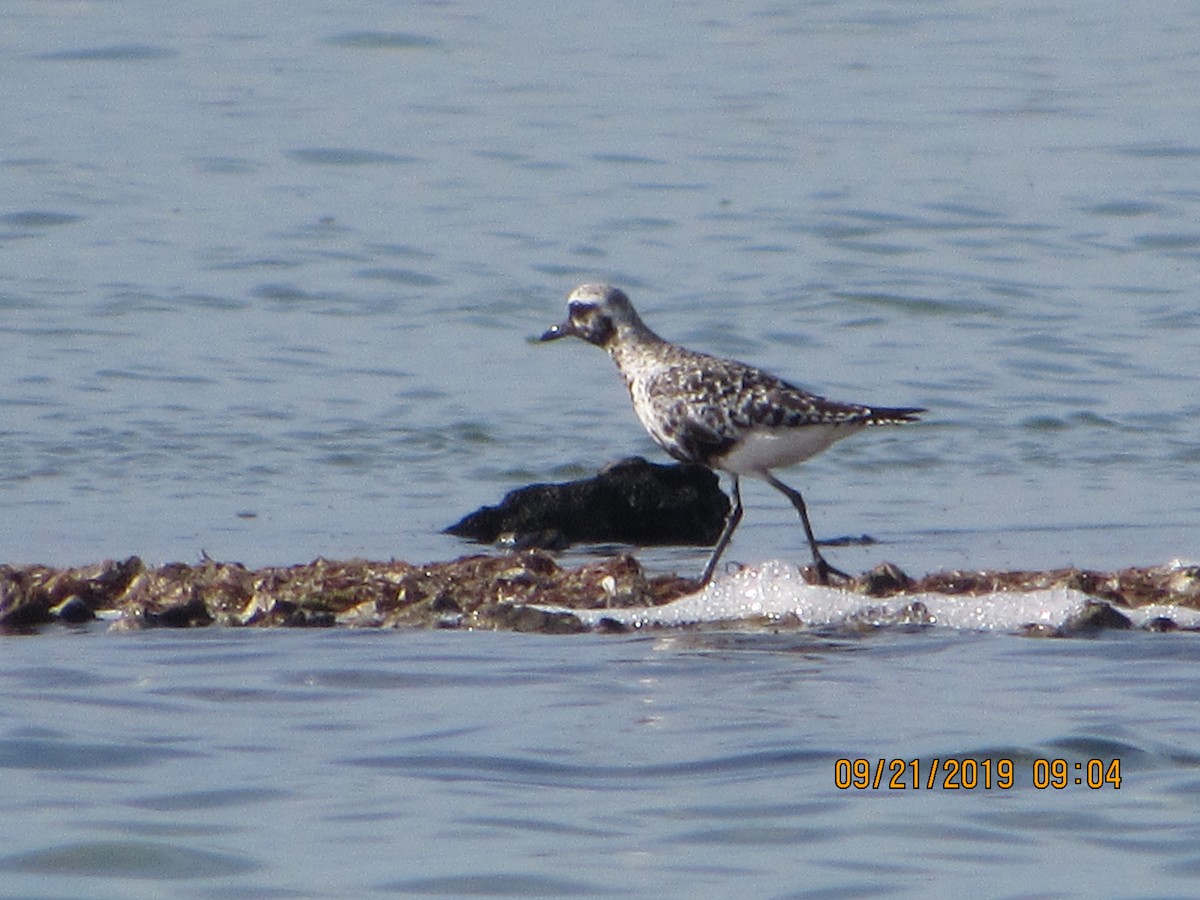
{"x":970,"y":774}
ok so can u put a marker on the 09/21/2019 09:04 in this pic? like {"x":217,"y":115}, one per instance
{"x":966,"y":773}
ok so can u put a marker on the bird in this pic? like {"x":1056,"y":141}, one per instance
{"x":721,"y":413}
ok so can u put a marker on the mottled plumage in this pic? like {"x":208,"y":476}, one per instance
{"x":718,"y":412}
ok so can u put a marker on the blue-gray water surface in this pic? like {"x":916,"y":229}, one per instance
{"x":266,"y":283}
{"x":351,"y":764}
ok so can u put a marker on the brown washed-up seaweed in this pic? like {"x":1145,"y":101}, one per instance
{"x":495,"y":592}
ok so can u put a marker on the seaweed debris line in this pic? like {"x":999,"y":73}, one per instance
{"x":492,"y":592}
{"x":529,"y":591}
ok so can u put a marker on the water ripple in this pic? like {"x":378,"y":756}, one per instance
{"x":218,"y":798}
{"x":37,"y":218}
{"x":346,"y":156}
{"x":113,"y":53}
{"x":129,"y":859}
{"x":528,"y":770}
{"x":62,"y":755}
{"x":382,"y":40}
{"x":497,"y":884}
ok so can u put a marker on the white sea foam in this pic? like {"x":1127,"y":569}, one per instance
{"x":777,"y":591}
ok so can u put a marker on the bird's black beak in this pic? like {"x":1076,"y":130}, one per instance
{"x":554,"y":332}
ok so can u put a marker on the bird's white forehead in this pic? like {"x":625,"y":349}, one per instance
{"x":589,"y":293}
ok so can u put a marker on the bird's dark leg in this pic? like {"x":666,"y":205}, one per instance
{"x":824,"y":569}
{"x":735,"y":516}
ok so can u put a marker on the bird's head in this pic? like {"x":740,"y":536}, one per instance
{"x":595,"y":313}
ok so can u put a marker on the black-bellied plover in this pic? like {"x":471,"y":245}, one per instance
{"x":717,"y":412}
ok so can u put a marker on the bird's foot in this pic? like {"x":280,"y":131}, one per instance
{"x":825,"y":574}
{"x":698,"y":584}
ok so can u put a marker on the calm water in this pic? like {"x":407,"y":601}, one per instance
{"x":363,"y":764}
{"x":266,"y":282}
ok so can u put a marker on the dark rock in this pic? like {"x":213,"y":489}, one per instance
{"x":73,"y":611}
{"x":1096,"y":616}
{"x":611,"y":626}
{"x":190,"y":613}
{"x":24,"y":601}
{"x":1161,"y":624}
{"x":883,"y":580}
{"x":1039,"y":630}
{"x":286,"y":614}
{"x":629,"y":502}
{"x":525,"y":618}
{"x":444,"y":603}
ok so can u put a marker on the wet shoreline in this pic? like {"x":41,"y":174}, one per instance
{"x":521,"y":591}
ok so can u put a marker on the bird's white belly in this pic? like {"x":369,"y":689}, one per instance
{"x":763,"y":449}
